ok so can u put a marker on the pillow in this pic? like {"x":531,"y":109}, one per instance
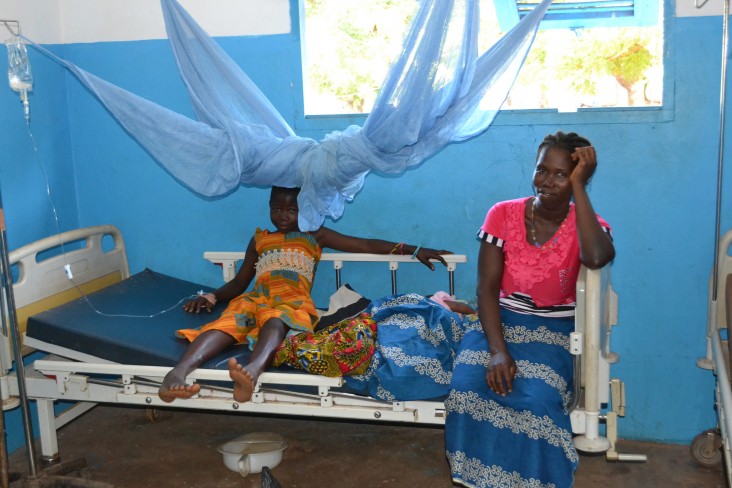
{"x":344,"y":304}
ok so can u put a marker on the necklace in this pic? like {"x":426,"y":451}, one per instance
{"x":533,"y":228}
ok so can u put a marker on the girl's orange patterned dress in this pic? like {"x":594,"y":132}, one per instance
{"x":282,"y":285}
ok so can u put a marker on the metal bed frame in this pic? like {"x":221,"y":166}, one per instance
{"x":80,"y":377}
{"x":710,"y":446}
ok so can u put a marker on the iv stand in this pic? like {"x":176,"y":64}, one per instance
{"x":10,"y":326}
{"x":56,"y":475}
{"x":706,"y":361}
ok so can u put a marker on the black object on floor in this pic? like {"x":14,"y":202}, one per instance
{"x":268,"y":480}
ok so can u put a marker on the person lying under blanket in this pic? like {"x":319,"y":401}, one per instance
{"x":400,"y":347}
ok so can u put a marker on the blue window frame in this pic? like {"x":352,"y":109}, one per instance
{"x":581,"y":14}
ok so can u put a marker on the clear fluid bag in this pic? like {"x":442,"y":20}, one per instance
{"x":19,"y":69}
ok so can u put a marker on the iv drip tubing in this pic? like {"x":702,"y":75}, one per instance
{"x":63,"y":251}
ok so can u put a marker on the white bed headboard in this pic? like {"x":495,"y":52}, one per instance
{"x":595,"y":316}
{"x":43,"y":280}
{"x":38,"y":279}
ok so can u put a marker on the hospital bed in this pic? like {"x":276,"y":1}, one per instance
{"x":712,"y":445}
{"x":88,"y":362}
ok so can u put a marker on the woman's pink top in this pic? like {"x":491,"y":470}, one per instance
{"x":548,"y":274}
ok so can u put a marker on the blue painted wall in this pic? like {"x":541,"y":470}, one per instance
{"x":656,"y":185}
{"x":27,"y":164}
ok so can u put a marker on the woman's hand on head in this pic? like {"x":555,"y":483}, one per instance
{"x":586,"y":159}
{"x":198,"y":305}
{"x":501,"y":372}
{"x":424,"y":254}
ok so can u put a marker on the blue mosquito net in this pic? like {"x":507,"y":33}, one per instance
{"x":437,"y":92}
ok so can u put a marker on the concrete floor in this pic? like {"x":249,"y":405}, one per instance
{"x":178,"y":450}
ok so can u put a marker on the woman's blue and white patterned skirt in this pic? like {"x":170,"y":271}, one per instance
{"x":525,"y":438}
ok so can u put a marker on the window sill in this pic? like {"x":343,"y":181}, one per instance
{"x":605,"y":115}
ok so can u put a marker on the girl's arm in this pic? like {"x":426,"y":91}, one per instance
{"x":596,"y":247}
{"x":340,"y":242}
{"x":502,"y":368}
{"x":231,"y":289}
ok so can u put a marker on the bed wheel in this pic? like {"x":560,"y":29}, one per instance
{"x":707,"y":448}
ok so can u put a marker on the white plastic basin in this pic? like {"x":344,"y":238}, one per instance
{"x":251,"y":452}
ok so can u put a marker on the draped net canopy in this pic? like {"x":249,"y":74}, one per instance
{"x":438,"y":91}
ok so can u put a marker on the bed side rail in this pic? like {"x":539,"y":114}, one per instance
{"x":228,"y":260}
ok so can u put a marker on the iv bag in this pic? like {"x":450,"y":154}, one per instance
{"x":19,"y":70}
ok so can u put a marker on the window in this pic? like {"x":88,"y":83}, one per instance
{"x":606,"y":53}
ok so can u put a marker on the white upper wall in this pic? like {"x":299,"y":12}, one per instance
{"x":689,"y":8}
{"x":73,"y":21}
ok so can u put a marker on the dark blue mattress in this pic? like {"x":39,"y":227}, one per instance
{"x":141,"y":340}
{"x":131,"y":340}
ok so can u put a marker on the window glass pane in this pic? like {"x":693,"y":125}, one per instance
{"x":348,"y":45}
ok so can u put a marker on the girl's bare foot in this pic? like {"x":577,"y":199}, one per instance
{"x":174,"y":386}
{"x":243,"y":380}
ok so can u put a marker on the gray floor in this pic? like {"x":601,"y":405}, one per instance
{"x":124,"y":449}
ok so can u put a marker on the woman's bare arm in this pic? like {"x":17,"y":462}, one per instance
{"x":501,"y":369}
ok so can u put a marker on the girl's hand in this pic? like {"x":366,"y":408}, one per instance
{"x":586,"y":164}
{"x":198,"y":304}
{"x":424,"y":254}
{"x":501,"y":372}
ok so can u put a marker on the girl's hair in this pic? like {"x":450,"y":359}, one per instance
{"x":567,"y":141}
{"x":280,"y":190}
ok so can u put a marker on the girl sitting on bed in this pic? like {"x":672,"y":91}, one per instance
{"x":282,"y":263}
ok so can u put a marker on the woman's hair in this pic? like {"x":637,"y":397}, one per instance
{"x":567,"y":141}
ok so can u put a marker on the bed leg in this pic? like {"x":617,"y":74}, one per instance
{"x":8,"y":402}
{"x":617,"y":395}
{"x":47,"y":428}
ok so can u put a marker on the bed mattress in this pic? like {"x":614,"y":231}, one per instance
{"x":124,"y":332}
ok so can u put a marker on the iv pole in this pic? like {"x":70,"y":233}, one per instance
{"x":706,"y":362}
{"x":10,"y":327}
{"x":55,"y":475}
{"x":14,"y":331}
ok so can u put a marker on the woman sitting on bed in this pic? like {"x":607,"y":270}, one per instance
{"x":507,"y":421}
{"x":282,"y":263}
